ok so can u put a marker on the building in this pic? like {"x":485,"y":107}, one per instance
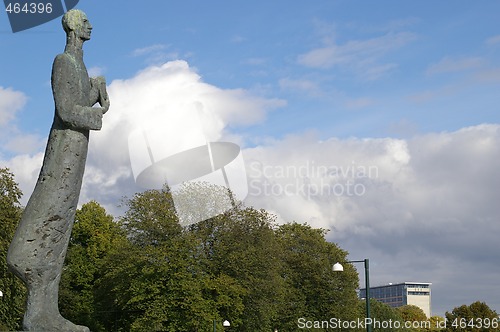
{"x":397,"y":295}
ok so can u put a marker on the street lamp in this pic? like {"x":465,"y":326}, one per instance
{"x":224,"y":323}
{"x":337,"y":267}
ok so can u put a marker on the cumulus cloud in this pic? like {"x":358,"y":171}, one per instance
{"x":333,"y":178}
{"x":11,"y":101}
{"x":176,"y":109}
{"x":24,"y":144}
{"x":421,"y":208}
{"x":18,"y":151}
{"x":12,"y":140}
{"x":95,"y":71}
{"x":25,"y":168}
{"x":169,"y":99}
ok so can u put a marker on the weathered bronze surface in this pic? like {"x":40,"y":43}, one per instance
{"x":37,"y":252}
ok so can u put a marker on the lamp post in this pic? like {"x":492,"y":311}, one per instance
{"x":224,"y":323}
{"x":337,"y":267}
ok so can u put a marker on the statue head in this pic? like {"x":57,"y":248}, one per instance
{"x":75,"y":21}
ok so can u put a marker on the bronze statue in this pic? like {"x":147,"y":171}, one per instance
{"x":37,"y":252}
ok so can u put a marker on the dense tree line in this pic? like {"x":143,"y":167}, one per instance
{"x":143,"y":271}
{"x":13,"y":291}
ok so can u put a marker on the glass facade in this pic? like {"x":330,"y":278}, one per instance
{"x":396,"y":295}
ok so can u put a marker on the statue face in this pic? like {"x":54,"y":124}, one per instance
{"x":76,"y":21}
{"x":84,"y":29}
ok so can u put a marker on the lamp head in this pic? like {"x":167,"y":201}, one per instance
{"x":337,"y":267}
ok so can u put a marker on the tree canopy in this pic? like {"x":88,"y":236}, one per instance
{"x":477,"y":316}
{"x":146,"y":271}
{"x":13,"y":291}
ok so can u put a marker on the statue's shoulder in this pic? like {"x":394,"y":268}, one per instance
{"x":63,"y":59}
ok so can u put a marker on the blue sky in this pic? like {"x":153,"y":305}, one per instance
{"x":422,"y":65}
{"x":409,"y":87}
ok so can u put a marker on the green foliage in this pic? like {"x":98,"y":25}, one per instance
{"x":14,"y":293}
{"x":237,"y":266}
{"x":154,"y":281}
{"x":312,"y":289}
{"x":150,"y":218}
{"x":146,"y":272}
{"x":416,"y":316}
{"x":240,"y":246}
{"x":382,"y":312}
{"x":436,"y":323}
{"x":208,"y":200}
{"x":468,"y":317}
{"x":412,"y":313}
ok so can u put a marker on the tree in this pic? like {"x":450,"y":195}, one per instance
{"x":12,"y":302}
{"x":412,"y":313}
{"x":382,"y":312}
{"x":474,"y":317}
{"x":183,"y":278}
{"x":313,"y":290}
{"x":151,"y":218}
{"x":240,"y":246}
{"x":437,"y":323}
{"x":238,"y":266}
{"x":153,"y":282}
{"x":94,"y":235}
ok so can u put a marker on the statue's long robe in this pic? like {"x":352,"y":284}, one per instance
{"x":39,"y":246}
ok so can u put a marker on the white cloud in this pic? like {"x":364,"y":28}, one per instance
{"x":494,"y":40}
{"x":359,"y":103}
{"x":255,"y":61}
{"x":490,"y":75}
{"x":300,"y":85}
{"x":25,"y":168}
{"x":357,"y":54}
{"x":149,"y":49}
{"x":159,"y":98}
{"x":334,"y":174}
{"x":372,"y":73}
{"x":238,"y":39}
{"x":170,"y":100}
{"x":427,"y":208}
{"x":157,"y":54}
{"x":16,"y":147}
{"x":24,"y":144}
{"x":11,"y":102}
{"x":431,"y":175}
{"x":449,"y":65}
{"x":95,"y":71}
